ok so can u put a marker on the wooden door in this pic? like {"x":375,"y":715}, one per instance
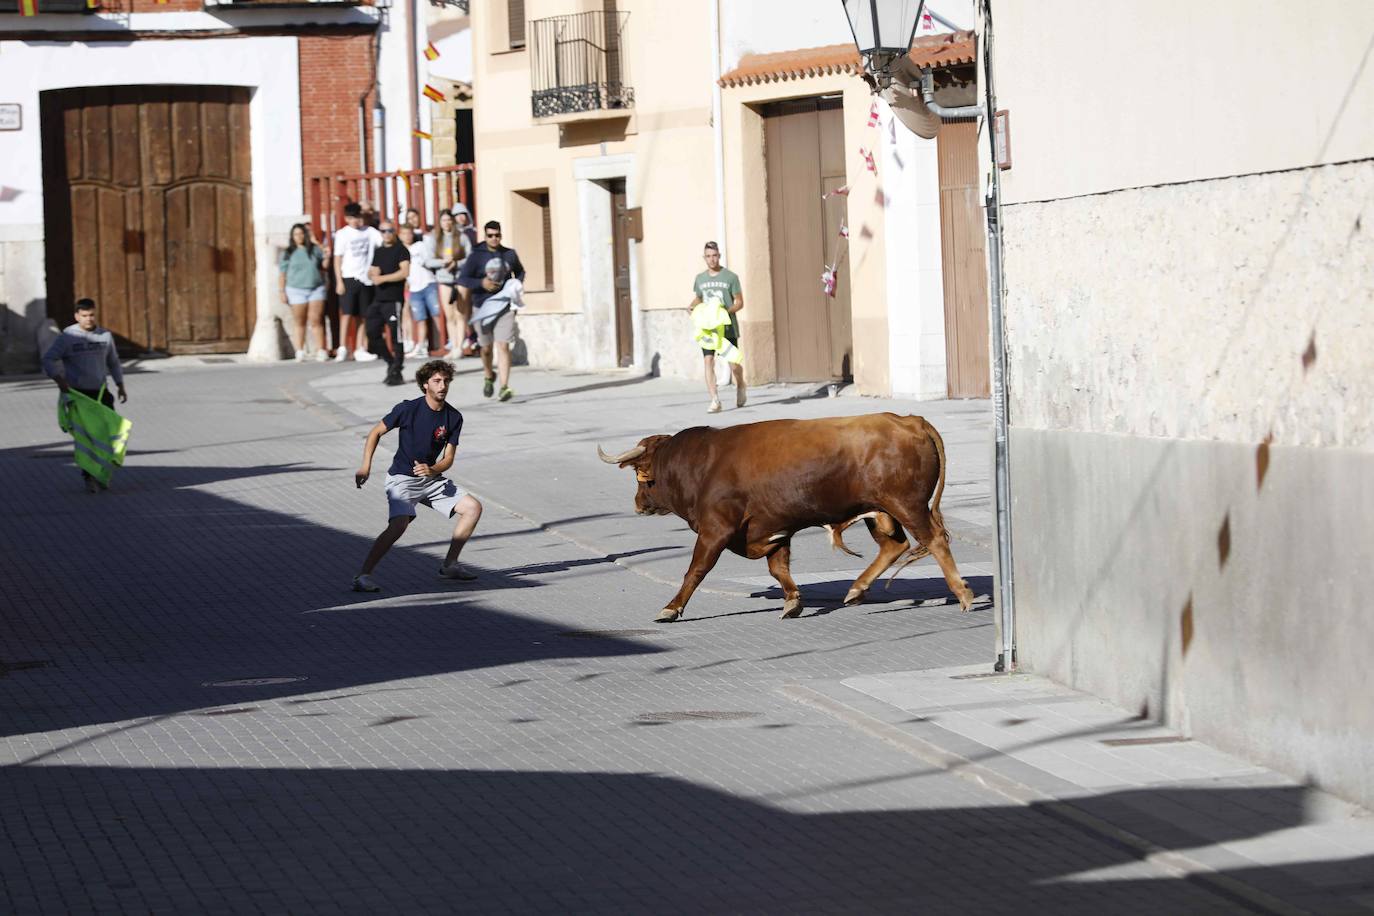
{"x":804,"y":142}
{"x":963,"y":257}
{"x":148,"y":211}
{"x":620,"y":244}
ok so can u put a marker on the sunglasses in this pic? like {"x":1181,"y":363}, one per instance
{"x":388,"y":232}
{"x":493,"y":235}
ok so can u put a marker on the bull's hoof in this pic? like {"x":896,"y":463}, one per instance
{"x":792,"y":607}
{"x":853,"y":596}
{"x":667,"y":615}
{"x":965,"y":598}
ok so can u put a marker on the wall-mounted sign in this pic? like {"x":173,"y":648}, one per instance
{"x":1001,"y":138}
{"x":11,"y":116}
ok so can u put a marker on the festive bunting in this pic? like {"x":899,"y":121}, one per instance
{"x":404,"y":177}
{"x":844,"y":231}
{"x":434,"y":95}
{"x":28,"y":7}
{"x":431,"y":52}
{"x":422,"y":135}
{"x":868,"y":160}
{"x":828,"y":281}
{"x":873,"y":115}
{"x":838,"y":192}
{"x":927,"y":24}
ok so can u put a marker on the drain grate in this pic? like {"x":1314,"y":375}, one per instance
{"x":253,"y":682}
{"x":217,"y":359}
{"x":608,"y":634}
{"x":1137,"y":742}
{"x":974,"y":677}
{"x":695,"y":715}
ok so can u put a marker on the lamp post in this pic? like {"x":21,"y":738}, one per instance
{"x":882,"y":30}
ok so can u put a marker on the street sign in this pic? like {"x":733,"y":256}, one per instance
{"x":11,"y":116}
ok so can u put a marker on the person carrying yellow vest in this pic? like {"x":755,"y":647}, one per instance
{"x":81,"y":359}
{"x":100,"y":434}
{"x":717,"y":298}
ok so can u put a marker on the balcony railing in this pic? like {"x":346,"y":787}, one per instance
{"x":578,"y":64}
{"x":52,"y":6}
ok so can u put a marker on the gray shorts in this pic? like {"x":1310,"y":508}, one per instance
{"x":503,"y":330}
{"x":403,"y":492}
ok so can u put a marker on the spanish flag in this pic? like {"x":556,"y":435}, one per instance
{"x":431,"y":52}
{"x":422,"y":135}
{"x":28,"y":7}
{"x":434,"y":95}
{"x":404,"y":177}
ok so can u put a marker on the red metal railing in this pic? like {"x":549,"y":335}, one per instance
{"x":390,"y":194}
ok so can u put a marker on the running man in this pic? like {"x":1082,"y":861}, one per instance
{"x":429,"y":429}
{"x":720,"y":286}
{"x":82,"y":357}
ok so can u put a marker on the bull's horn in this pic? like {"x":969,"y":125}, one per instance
{"x":622,"y":457}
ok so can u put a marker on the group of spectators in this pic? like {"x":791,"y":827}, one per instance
{"x":461,"y":293}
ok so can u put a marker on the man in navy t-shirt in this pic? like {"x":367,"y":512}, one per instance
{"x":428,"y":429}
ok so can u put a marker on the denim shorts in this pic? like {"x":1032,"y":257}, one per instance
{"x":424,"y":303}
{"x":296,"y":295}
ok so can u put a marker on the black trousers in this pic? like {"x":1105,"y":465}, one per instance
{"x":384,"y":317}
{"x":94,"y":394}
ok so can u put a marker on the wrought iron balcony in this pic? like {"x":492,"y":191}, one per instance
{"x":577,"y":64}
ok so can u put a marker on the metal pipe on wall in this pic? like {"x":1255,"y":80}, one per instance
{"x":717,"y":128}
{"x":412,"y":17}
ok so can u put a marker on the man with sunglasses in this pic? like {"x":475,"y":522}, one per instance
{"x":390,"y":267}
{"x":502,"y":334}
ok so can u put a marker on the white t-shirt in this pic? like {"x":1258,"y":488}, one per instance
{"x":420,"y":276}
{"x":356,"y":247}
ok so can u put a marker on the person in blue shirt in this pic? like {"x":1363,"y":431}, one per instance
{"x":428,"y":429}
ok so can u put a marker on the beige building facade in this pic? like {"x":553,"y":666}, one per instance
{"x":1189,"y":323}
{"x":610,"y":192}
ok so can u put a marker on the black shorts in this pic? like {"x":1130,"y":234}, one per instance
{"x":732,"y":335}
{"x":356,"y":298}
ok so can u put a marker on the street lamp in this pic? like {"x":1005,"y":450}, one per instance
{"x":882,"y":30}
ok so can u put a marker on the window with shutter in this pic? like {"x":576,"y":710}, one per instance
{"x":515,"y":17}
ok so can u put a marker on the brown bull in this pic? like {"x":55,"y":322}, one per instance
{"x":750,"y":488}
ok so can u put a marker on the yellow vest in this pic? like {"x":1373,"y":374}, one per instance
{"x":709,"y":321}
{"x":101,"y":435}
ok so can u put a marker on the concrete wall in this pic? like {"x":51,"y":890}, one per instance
{"x":1187,"y":263}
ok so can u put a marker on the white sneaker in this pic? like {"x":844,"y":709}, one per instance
{"x":365,"y":583}
{"x":714,"y":408}
{"x":341,"y":355}
{"x":456,"y":571}
{"x":321,"y":356}
{"x":300,"y":356}
{"x":364,"y":356}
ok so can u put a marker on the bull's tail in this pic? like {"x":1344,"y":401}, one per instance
{"x":937,"y":521}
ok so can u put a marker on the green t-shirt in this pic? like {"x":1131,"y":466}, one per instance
{"x":722,"y":288}
{"x":302,"y":267}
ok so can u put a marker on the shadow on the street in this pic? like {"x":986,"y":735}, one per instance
{"x":831,"y":593}
{"x":556,"y":842}
{"x":580,"y":389}
{"x":159,"y":587}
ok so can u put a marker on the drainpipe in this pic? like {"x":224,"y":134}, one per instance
{"x":717,"y":129}
{"x":928,"y":95}
{"x":412,"y":14}
{"x":1006,"y":654}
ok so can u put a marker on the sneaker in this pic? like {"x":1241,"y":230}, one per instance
{"x":394,"y":378}
{"x":364,"y":356}
{"x":321,"y":356}
{"x":456,"y":571}
{"x":341,"y":355}
{"x":714,"y":408}
{"x":300,"y":356}
{"x":365,"y":583}
{"x":92,"y":486}
{"x":506,"y":394}
{"x":488,"y":386}
{"x":416,"y":349}
{"x":740,"y":398}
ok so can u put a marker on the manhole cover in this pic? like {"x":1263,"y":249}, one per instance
{"x":216,"y":359}
{"x":694,"y":715}
{"x":1138,"y":742}
{"x":975,"y":677}
{"x":253,"y":682}
{"x":608,"y":634}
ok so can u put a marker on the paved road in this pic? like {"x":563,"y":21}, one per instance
{"x":530,"y":743}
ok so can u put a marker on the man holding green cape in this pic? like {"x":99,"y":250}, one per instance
{"x":79,"y":361}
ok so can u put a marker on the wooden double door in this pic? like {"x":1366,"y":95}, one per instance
{"x":804,"y":144}
{"x":148,"y":211}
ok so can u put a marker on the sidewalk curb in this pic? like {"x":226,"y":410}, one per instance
{"x":1177,"y":864}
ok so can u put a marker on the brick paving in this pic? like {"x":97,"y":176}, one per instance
{"x":447,"y":747}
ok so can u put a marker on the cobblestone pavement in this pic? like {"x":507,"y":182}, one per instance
{"x":199,"y":716}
